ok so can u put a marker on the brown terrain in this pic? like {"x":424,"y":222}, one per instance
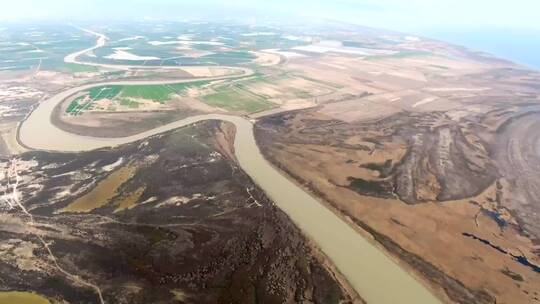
{"x":440,"y":168}
{"x":171,"y":219}
{"x":430,"y":149}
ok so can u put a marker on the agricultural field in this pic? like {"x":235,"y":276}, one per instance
{"x":119,"y":97}
{"x":237,"y":100}
{"x":245,"y":96}
{"x":24,"y":47}
{"x":288,"y":86}
{"x":184,"y":43}
{"x":236,"y":96}
{"x":76,"y":68}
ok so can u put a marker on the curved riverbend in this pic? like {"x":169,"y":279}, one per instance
{"x":375,"y":276}
{"x":73,"y":58}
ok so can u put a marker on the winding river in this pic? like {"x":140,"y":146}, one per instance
{"x":373,"y":274}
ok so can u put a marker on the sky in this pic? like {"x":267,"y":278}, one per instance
{"x":403,"y":15}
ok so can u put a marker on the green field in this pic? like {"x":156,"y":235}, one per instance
{"x":78,"y":105}
{"x":76,"y":68}
{"x":159,"y":93}
{"x":74,"y":105}
{"x":233,"y":98}
{"x":399,"y":55}
{"x":104,"y":92}
{"x":237,"y":100}
{"x":125,"y":94}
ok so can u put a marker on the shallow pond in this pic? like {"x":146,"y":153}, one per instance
{"x":21,"y":297}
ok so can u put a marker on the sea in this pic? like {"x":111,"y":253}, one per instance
{"x":520,"y":46}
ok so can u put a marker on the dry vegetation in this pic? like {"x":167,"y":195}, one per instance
{"x":433,"y":162}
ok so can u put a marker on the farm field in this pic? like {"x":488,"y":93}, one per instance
{"x":126,"y":95}
{"x":76,"y":68}
{"x":237,"y":96}
{"x":25,"y":47}
{"x":237,"y":100}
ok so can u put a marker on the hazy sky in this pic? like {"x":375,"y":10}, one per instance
{"x":403,"y":15}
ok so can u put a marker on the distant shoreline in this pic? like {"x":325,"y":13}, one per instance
{"x":519,"y":46}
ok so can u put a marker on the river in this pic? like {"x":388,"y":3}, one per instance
{"x":375,"y":276}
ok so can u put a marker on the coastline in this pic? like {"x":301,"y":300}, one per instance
{"x":519,"y":46}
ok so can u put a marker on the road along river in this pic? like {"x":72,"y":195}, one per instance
{"x":375,"y":276}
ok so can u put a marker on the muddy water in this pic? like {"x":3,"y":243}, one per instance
{"x":21,"y":297}
{"x":376,"y":277}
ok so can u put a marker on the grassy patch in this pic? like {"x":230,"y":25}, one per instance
{"x":302,"y":94}
{"x":129,"y":103}
{"x":103,"y":192}
{"x":186,"y":141}
{"x":126,"y":94}
{"x":325,"y":83}
{"x":77,"y":68}
{"x":76,"y":103}
{"x":384,"y":169}
{"x":152,"y":92}
{"x":514,"y":276}
{"x":22,"y":297}
{"x":158,"y":93}
{"x":236,"y":100}
{"x":108,"y":92}
{"x":399,"y":55}
{"x":371,"y":188}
